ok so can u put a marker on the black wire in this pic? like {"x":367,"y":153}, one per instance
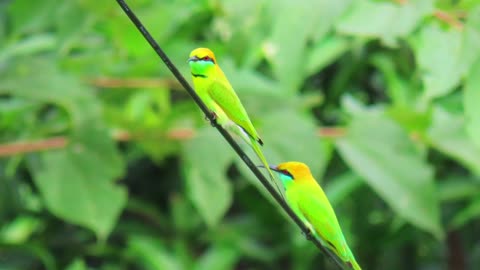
{"x":224,"y":133}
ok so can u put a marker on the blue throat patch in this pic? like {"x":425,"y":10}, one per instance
{"x":199,"y":68}
{"x":286,"y":180}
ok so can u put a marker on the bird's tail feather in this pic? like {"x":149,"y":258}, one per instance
{"x":256,"y":148}
{"x":352,"y":261}
{"x":355,"y":265}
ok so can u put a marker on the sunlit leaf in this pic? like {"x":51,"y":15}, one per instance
{"x":218,"y":257}
{"x":27,"y":16}
{"x":286,"y":45}
{"x":19,"y":230}
{"x":77,"y":185}
{"x":207,"y":184}
{"x":472,"y":110}
{"x":28,"y":46}
{"x":151,"y":253}
{"x":447,"y":134}
{"x":384,"y":156}
{"x":325,"y":52}
{"x":443,"y":56}
{"x":385,"y":20}
{"x":77,"y":264}
{"x":77,"y":182}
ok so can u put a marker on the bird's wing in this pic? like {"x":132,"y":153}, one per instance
{"x":318,"y":211}
{"x":223,"y":94}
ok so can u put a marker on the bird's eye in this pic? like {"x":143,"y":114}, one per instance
{"x":207,"y":58}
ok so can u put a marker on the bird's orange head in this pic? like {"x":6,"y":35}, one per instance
{"x":202,"y":54}
{"x":297,"y":171}
{"x":202,"y":61}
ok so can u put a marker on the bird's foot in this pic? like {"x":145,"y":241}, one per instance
{"x":308,"y":234}
{"x":213,"y":120}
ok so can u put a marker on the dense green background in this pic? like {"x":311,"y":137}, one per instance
{"x":380,"y":98}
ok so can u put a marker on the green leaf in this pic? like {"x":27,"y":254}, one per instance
{"x":206,"y":160}
{"x":399,"y":89}
{"x":285,"y":48}
{"x":457,"y":188}
{"x":325,"y":52}
{"x":329,"y":13}
{"x":77,"y":264}
{"x":218,"y":257}
{"x":19,"y":230}
{"x":71,"y":30}
{"x":472,"y":211}
{"x":27,"y":46}
{"x":471,"y":98}
{"x":341,"y":187}
{"x":22,"y":79}
{"x":184,"y":216}
{"x":246,"y":81}
{"x":443,"y":56}
{"x":27,"y":16}
{"x":447,"y":135}
{"x":151,"y":253}
{"x":77,"y":182}
{"x":385,"y":20}
{"x":259,"y":94}
{"x":384,"y":156}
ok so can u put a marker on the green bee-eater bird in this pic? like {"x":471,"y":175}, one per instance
{"x":215,"y":91}
{"x":309,"y":202}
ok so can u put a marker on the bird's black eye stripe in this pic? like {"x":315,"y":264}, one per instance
{"x":285,"y":172}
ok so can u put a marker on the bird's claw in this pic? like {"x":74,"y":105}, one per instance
{"x":213,"y":119}
{"x":308,"y":234}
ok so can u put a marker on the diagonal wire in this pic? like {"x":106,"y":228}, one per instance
{"x":306,"y":231}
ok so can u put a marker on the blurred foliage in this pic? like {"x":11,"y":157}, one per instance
{"x":380,"y":98}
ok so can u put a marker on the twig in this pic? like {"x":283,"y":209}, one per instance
{"x":448,"y":18}
{"x":15,"y":148}
{"x":33,"y":146}
{"x":222,"y":131}
{"x":443,"y":16}
{"x":180,"y":134}
{"x":332,"y":132}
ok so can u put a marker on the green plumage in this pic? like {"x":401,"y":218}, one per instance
{"x":213,"y":88}
{"x":311,"y":205}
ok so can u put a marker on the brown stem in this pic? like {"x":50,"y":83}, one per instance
{"x":14,"y":148}
{"x":331,"y":132}
{"x":456,"y":253}
{"x":448,"y":18}
{"x":180,"y":134}
{"x":443,"y":16}
{"x":11,"y":149}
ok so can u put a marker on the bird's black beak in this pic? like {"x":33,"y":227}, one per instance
{"x":273,"y":168}
{"x":192,"y":59}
